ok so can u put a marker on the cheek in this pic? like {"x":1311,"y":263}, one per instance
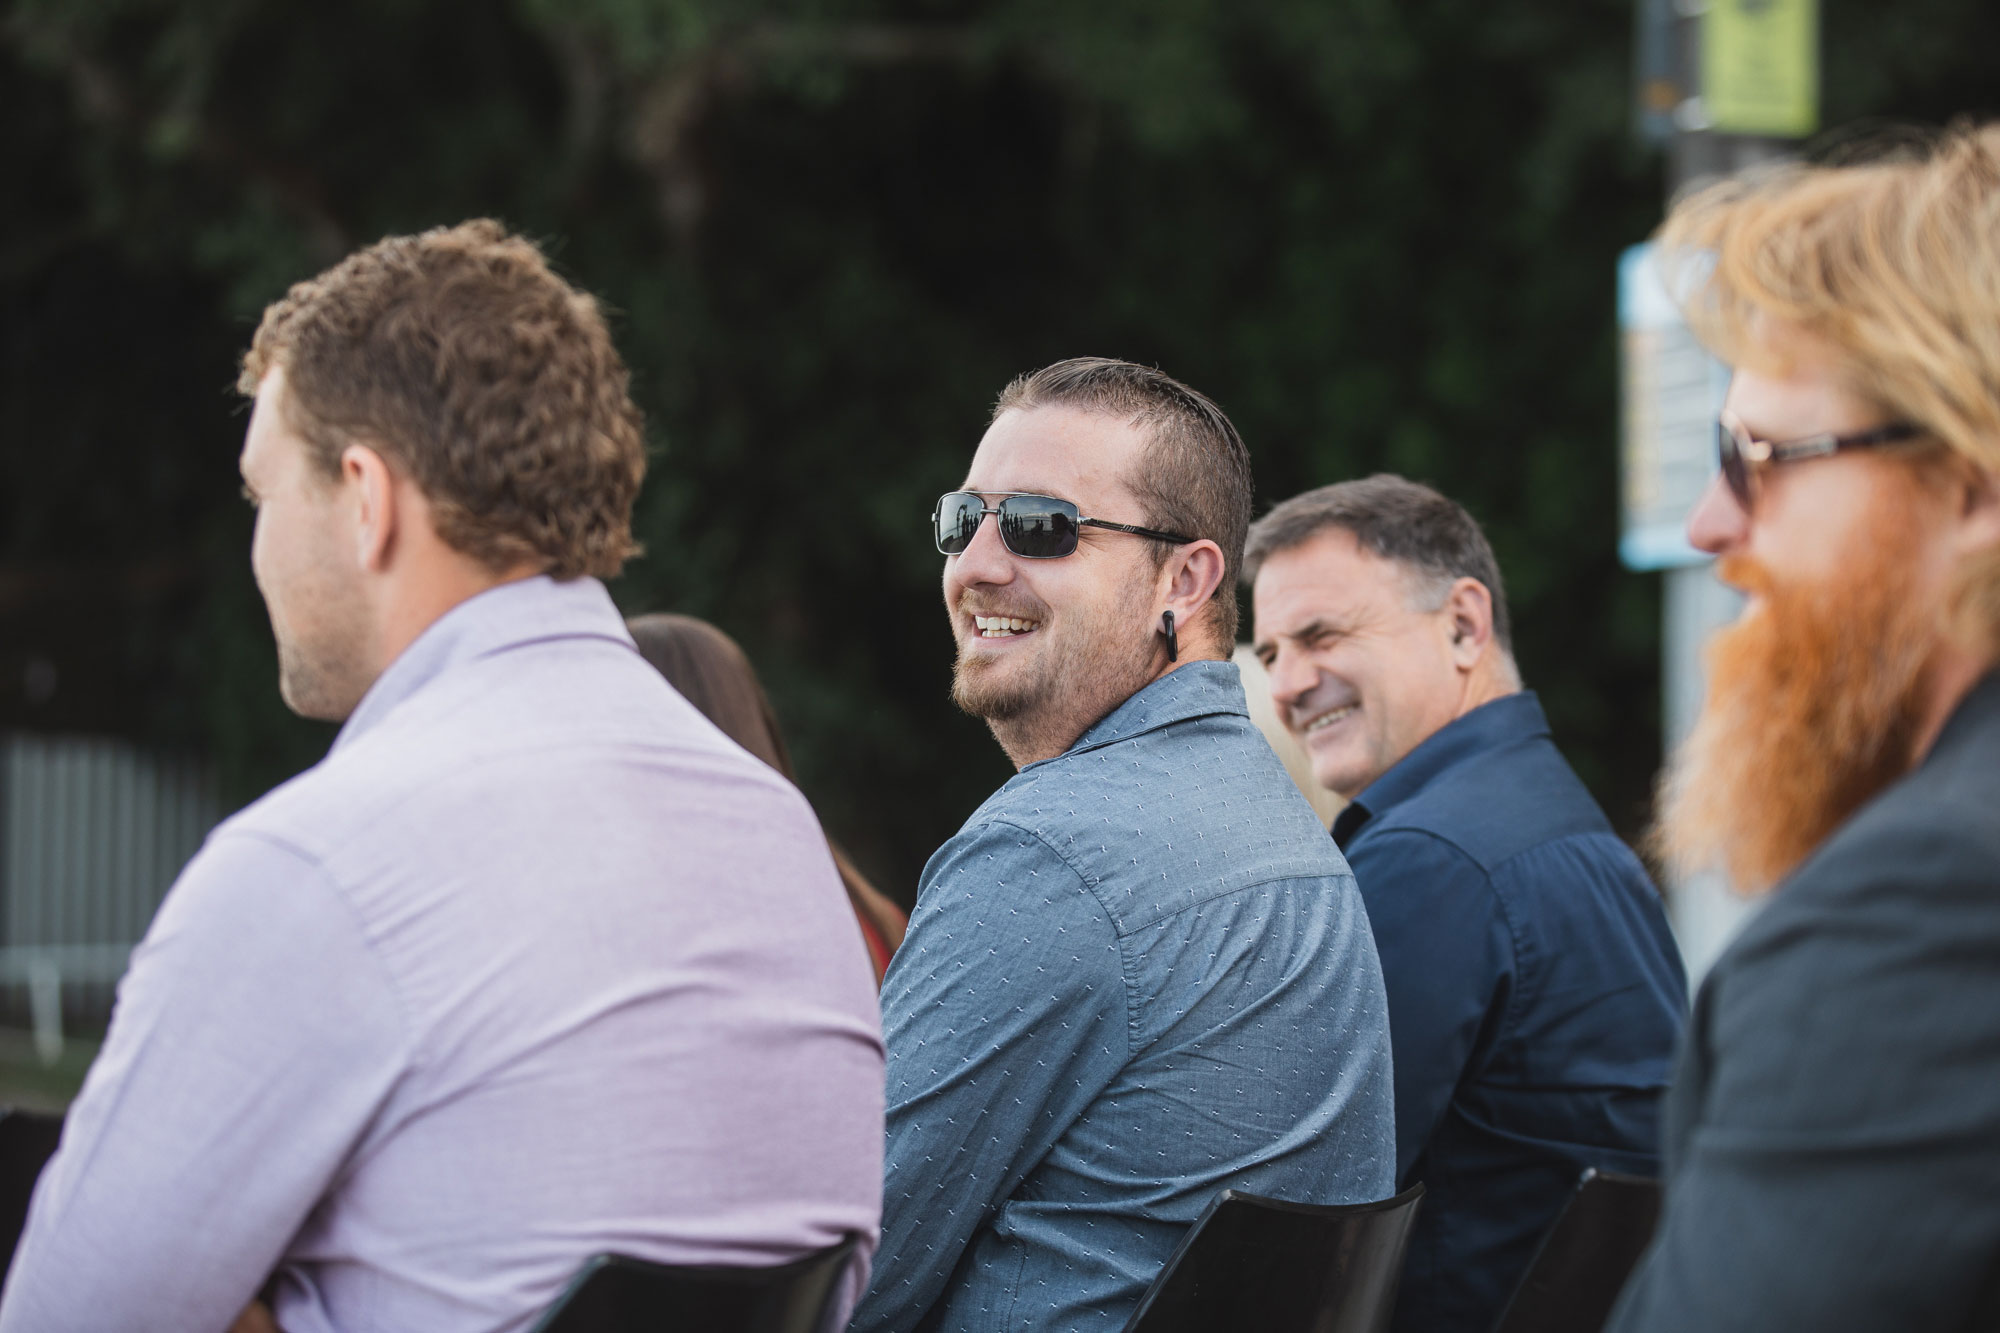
{"x":293,"y":553}
{"x":1804,"y":529}
{"x":260,"y":547}
{"x":1353,"y":667}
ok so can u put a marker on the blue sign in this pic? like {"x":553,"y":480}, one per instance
{"x":1672,"y":390}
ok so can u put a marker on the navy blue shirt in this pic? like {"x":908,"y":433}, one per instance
{"x":1535,"y":997}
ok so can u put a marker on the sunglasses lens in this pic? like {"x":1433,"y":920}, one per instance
{"x":958,"y":516}
{"x":1729,"y":451}
{"x":1039,"y":527}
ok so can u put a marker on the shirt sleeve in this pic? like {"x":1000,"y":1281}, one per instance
{"x":1447,"y":965}
{"x":1839,"y":1172}
{"x":1004,"y":1013}
{"x":253,"y":1038}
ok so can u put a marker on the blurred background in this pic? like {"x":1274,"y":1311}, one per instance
{"x":1383,"y":234}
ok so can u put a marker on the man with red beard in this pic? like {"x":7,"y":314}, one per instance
{"x":1141,"y":972}
{"x":1833,"y":1137}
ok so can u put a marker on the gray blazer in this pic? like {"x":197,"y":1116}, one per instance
{"x":1833,"y":1134}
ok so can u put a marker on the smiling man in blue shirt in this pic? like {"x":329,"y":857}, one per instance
{"x":1140,"y":973}
{"x":1535,"y":993}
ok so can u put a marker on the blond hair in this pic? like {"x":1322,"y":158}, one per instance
{"x":1895,"y":264}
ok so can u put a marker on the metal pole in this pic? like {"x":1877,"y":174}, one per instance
{"x":1694,"y":605}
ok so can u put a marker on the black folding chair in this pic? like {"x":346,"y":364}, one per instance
{"x":27,"y":1140}
{"x":615,"y":1293}
{"x":1586,"y":1256}
{"x":1278,"y":1267}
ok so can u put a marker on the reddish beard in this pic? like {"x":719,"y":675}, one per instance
{"x":1813,"y":708}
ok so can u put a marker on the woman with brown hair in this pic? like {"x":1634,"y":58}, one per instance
{"x":714,"y":674}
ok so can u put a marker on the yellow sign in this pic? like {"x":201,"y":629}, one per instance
{"x":1760,"y":67}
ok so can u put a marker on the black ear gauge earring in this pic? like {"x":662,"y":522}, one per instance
{"x":1173,"y":643}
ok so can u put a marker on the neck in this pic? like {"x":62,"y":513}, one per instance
{"x":1029,"y":740}
{"x":1044,"y":734}
{"x":416,"y":603}
{"x":1493,"y":677}
{"x":1950,"y":679}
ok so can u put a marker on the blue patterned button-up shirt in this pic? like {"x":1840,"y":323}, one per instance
{"x":1139,"y":974}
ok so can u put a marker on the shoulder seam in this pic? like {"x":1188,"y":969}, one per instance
{"x":1125,"y":962}
{"x":1518,"y":999}
{"x":319,"y":869}
{"x":1428,"y":835}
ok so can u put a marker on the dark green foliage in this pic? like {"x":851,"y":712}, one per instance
{"x":1380,"y":232}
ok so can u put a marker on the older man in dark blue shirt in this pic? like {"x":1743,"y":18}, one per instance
{"x":1535,"y":993}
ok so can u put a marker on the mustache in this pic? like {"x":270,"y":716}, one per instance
{"x":1744,"y":573}
{"x":984,"y":606}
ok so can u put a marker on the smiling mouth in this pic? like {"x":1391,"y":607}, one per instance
{"x":1328,"y":718}
{"x":1003,"y":627}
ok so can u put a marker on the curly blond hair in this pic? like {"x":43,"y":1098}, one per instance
{"x":465,"y":361}
{"x":1895,"y":264}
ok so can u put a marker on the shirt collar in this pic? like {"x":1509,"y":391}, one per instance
{"x":503,"y":617}
{"x":1512,"y":717}
{"x":1195,"y":690}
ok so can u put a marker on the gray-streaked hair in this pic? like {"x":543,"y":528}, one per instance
{"x":1194,"y":477}
{"x":1432,"y":537}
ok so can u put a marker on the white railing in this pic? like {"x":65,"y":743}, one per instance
{"x":92,"y":833}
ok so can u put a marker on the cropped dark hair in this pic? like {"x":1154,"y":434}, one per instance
{"x":1194,"y":477}
{"x":464,"y":360}
{"x":1400,"y":520}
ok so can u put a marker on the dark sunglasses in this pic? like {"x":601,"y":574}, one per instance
{"x":1739,"y":453}
{"x":1034,"y":527}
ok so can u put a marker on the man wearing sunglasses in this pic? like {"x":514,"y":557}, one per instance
{"x":1141,"y":972}
{"x":1831,"y":1135}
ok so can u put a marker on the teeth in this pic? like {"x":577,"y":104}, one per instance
{"x":1327,"y":719}
{"x":1000,"y":627}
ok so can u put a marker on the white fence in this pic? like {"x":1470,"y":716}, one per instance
{"x":92,"y":833}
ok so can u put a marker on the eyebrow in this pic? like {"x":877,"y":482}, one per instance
{"x":1015,"y":490}
{"x":1312,"y":629}
{"x":1316,"y":628}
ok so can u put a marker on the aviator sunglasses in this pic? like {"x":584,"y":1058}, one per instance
{"x":1739,"y":453}
{"x":1034,"y":527}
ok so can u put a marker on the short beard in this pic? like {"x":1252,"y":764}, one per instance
{"x":1814,"y":707}
{"x":326,"y":687}
{"x":1086,"y":669}
{"x":323,"y":657}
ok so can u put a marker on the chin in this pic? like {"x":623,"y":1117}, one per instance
{"x":1341,"y":780}
{"x":981,"y":688}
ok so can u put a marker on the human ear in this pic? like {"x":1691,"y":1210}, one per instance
{"x":1196,"y":572}
{"x":367,"y":476}
{"x":1469,"y":605}
{"x":1979,"y":511}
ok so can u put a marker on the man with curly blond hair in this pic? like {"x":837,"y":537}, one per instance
{"x":1833,"y":1136}
{"x":422,"y":1030}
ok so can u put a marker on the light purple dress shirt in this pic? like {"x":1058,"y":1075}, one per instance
{"x":534,"y":964}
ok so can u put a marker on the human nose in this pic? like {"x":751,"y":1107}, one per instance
{"x":985,"y":558}
{"x":1718,"y":521}
{"x":1291,"y":678}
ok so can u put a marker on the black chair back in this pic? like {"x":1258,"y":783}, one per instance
{"x":1586,"y":1256}
{"x":1278,"y":1267}
{"x":615,"y":1293}
{"x":27,"y":1140}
